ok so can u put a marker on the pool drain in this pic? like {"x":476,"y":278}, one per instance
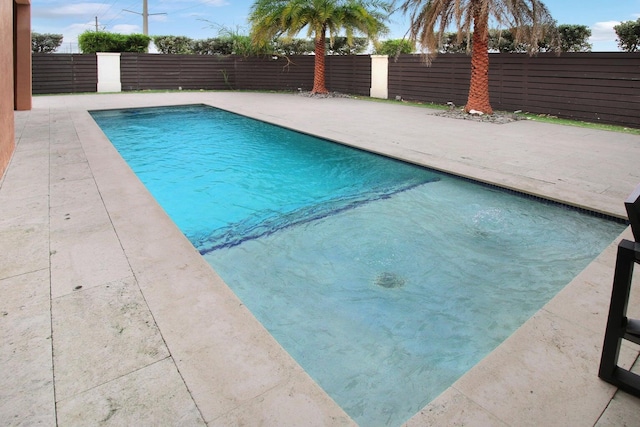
{"x":389,"y":280}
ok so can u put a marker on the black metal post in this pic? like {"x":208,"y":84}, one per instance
{"x":619,"y":327}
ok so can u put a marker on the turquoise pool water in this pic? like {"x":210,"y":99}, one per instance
{"x":385,"y":281}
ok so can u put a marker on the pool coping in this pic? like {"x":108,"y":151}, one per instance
{"x":227,"y":369}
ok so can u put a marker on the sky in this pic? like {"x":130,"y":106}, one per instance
{"x":201,"y":19}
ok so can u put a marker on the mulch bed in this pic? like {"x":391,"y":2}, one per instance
{"x":498,"y":117}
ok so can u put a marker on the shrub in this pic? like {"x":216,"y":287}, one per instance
{"x":45,"y":43}
{"x":102,"y":41}
{"x":395,"y":47}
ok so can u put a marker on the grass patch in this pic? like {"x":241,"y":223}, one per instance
{"x":403,"y":102}
{"x":545,"y":118}
{"x":599,"y":126}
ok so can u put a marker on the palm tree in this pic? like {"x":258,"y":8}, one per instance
{"x":272,"y":18}
{"x":529,"y":19}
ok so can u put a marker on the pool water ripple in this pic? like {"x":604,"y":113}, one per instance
{"x":385,"y":281}
{"x":262,"y":224}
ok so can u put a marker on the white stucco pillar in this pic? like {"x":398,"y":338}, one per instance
{"x":379,"y":76}
{"x":109,"y":72}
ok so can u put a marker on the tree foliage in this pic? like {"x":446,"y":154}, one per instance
{"x":175,"y":45}
{"x":211,"y":46}
{"x":344,"y":46}
{"x":100,"y":41}
{"x":395,"y":47}
{"x":628,"y":35}
{"x":571,"y":38}
{"x":103,"y":41}
{"x":271,"y":19}
{"x":574,"y":38}
{"x":136,"y":43}
{"x":229,"y":43}
{"x":234,"y":43}
{"x":529,"y":20}
{"x":504,"y":41}
{"x":289,"y":46}
{"x":45,"y":43}
{"x":455,"y":43}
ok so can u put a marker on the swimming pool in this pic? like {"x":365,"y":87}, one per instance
{"x":407,"y":314}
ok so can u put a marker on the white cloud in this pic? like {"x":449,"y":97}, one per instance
{"x":603,"y":36}
{"x":176,"y":3}
{"x":71,"y":10}
{"x":158,"y":18}
{"x":603,"y":31}
{"x":71,"y":32}
{"x":216,"y":3}
{"x":125,"y":29}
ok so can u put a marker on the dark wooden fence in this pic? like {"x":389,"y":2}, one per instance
{"x":348,"y":74}
{"x":64,"y":73}
{"x":171,"y":72}
{"x":595,"y":87}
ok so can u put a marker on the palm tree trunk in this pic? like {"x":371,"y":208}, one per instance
{"x":478,"y":99}
{"x":318,"y":70}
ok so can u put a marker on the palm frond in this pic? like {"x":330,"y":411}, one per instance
{"x":530,"y":20}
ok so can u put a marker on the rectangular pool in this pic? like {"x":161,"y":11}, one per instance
{"x":384,"y":280}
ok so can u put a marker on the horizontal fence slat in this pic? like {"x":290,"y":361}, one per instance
{"x":64,"y":73}
{"x":601,"y":87}
{"x":595,"y":86}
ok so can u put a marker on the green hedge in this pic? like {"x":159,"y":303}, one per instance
{"x":102,"y":41}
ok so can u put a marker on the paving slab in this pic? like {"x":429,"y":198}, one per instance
{"x":23,"y":249}
{"x":27,"y":392}
{"x":101,"y":334}
{"x":144,"y":329}
{"x":528,"y":374}
{"x":153,"y":395}
{"x":453,"y":408}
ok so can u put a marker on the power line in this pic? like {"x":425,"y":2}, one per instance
{"x":116,"y":16}
{"x":195,"y":5}
{"x":100,"y":12}
{"x":145,"y":17}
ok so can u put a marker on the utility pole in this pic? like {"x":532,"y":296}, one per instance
{"x":145,"y":17}
{"x":96,"y":24}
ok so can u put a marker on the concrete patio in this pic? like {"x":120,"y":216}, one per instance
{"x":109,"y":316}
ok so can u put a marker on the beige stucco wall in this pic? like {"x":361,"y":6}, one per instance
{"x":109,"y":72}
{"x":6,"y":83}
{"x":22,"y":54}
{"x":15,"y":70}
{"x":379,"y":76}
